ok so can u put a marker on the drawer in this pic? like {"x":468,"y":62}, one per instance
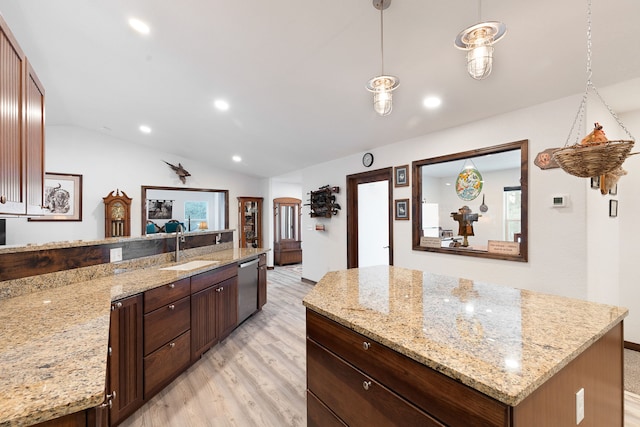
{"x":357,"y":399}
{"x":165,"y":294}
{"x":318,"y":415}
{"x":212,"y":277}
{"x":432,"y":391}
{"x":166,"y":363}
{"x":166,"y":323}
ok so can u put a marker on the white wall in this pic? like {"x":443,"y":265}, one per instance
{"x":557,"y":238}
{"x":107,"y":164}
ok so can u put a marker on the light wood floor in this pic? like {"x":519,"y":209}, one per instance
{"x":256,"y":376}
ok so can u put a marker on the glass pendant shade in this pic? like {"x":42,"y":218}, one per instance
{"x":478,"y":41}
{"x":382,"y":88}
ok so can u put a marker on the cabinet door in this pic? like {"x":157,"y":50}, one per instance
{"x":204,"y":325}
{"x":34,"y":142}
{"x":125,"y":360}
{"x":262,"y":286}
{"x":250,"y":222}
{"x":227,"y":306}
{"x":12,"y":148}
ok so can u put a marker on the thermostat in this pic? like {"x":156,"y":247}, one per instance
{"x":560,"y":201}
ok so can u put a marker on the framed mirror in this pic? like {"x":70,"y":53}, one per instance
{"x":287,"y":247}
{"x":473,"y":203}
{"x":197,"y":209}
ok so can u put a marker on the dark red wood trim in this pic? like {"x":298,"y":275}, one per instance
{"x":632,"y":346}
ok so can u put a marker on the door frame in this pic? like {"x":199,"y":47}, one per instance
{"x":352,"y":210}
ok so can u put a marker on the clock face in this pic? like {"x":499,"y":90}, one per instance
{"x":367,"y":159}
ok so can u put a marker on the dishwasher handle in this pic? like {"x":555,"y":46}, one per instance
{"x":249,"y":263}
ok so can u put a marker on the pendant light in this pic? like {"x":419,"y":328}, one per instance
{"x":478,"y":41}
{"x":382,"y":85}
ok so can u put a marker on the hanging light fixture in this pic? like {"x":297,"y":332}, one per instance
{"x":382,"y":85}
{"x":478,"y":41}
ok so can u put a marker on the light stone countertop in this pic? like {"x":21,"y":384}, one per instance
{"x":502,"y":341}
{"x":53,"y":351}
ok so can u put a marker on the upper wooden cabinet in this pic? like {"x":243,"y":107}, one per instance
{"x":21,"y":130}
{"x":250,"y":222}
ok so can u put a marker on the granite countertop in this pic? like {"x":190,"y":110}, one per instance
{"x":53,"y":352}
{"x":501,"y":341}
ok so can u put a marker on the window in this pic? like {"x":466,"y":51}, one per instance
{"x":195,"y":213}
{"x":512,"y":196}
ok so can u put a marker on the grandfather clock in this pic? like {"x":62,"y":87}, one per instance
{"x":117,"y":214}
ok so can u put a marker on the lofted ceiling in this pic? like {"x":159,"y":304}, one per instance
{"x":294,"y":71}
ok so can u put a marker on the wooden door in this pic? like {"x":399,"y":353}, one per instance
{"x":34,"y":142}
{"x":125,"y":360}
{"x":353,"y":181}
{"x":204,"y":323}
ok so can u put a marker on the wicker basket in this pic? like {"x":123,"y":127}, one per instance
{"x":594,"y":160}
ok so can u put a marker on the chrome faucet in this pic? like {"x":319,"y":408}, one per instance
{"x":179,"y":238}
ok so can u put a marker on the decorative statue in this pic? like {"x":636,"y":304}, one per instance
{"x":465,"y":223}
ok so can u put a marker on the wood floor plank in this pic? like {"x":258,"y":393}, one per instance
{"x":257,"y":375}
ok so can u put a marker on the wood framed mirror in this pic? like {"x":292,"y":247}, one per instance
{"x":473,"y":203}
{"x":287,"y":246}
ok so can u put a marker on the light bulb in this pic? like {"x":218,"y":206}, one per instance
{"x":383,"y":102}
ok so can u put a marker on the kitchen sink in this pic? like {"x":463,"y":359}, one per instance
{"x":191,"y":265}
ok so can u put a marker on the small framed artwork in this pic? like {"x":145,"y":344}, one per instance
{"x":62,"y":197}
{"x":595,"y":182}
{"x":613,"y":190}
{"x":402,"y":176}
{"x":402,"y":209}
{"x":613,"y":208}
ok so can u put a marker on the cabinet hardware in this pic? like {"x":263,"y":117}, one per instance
{"x":116,"y":306}
{"x":109,"y":351}
{"x":172,"y":345}
{"x":366,"y":345}
{"x":366,"y":385}
{"x":108,"y":400}
{"x":219,"y":289}
{"x":3,"y":199}
{"x":172,"y":285}
{"x":172,"y":307}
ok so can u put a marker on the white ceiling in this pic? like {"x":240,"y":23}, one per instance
{"x":294,"y":71}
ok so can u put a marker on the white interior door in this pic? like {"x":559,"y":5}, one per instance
{"x":373,"y":223}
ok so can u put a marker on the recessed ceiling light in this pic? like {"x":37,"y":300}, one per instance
{"x":221,"y":104}
{"x":139,"y":26}
{"x":145,"y":129}
{"x":237,"y":159}
{"x":432,"y":102}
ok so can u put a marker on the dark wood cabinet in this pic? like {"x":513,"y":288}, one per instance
{"x":214,"y":307}
{"x":287,"y":246}
{"x":167,"y":339}
{"x":250,"y":222}
{"x":125,"y":358}
{"x":262,"y":281}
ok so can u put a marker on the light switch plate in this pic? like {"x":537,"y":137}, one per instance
{"x":115,"y":255}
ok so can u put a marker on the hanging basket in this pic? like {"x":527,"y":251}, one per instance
{"x":593,"y":160}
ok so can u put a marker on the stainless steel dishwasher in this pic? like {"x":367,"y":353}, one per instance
{"x":247,"y":289}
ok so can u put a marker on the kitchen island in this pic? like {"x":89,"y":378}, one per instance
{"x":53,"y":353}
{"x":392,"y":346}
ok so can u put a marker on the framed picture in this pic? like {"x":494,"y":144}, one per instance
{"x":62,"y":197}
{"x":402,"y":209}
{"x":613,"y":208}
{"x":402,"y":176}
{"x":159,"y":209}
{"x":595,"y":182}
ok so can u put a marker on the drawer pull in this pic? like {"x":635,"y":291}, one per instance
{"x":220,"y":289}
{"x":172,"y":307}
{"x":366,"y":345}
{"x":172,"y":285}
{"x":366,"y":385}
{"x":3,"y":199}
{"x":172,"y":345}
{"x":116,"y":306}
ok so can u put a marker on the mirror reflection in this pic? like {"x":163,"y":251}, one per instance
{"x":473,"y":203}
{"x":287,"y":247}
{"x":194,"y":209}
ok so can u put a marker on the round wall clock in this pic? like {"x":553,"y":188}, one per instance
{"x":367,"y":159}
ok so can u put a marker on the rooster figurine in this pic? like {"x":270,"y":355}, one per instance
{"x":182,"y":172}
{"x":596,"y":137}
